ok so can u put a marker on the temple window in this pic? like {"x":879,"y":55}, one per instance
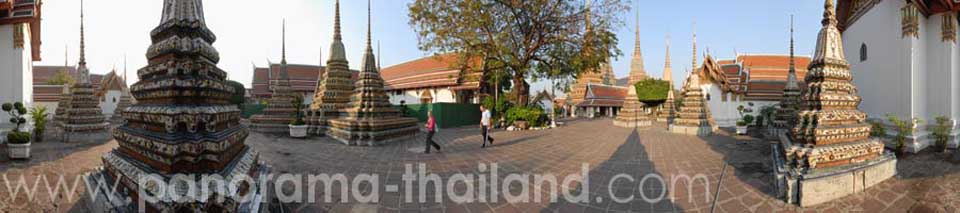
{"x":863,"y":52}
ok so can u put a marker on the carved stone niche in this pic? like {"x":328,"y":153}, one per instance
{"x":910,"y":21}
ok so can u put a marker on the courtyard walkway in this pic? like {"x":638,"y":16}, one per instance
{"x":720,"y":173}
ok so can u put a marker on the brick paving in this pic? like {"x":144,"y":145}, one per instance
{"x":727,"y":173}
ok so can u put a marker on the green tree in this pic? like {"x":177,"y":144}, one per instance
{"x":61,"y":78}
{"x":520,"y":37}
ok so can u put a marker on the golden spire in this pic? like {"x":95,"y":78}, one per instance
{"x":667,"y":66}
{"x":83,"y":56}
{"x":336,"y":23}
{"x":792,"y":72}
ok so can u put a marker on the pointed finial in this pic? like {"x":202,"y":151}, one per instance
{"x":124,"y":68}
{"x":829,"y":18}
{"x":283,"y":54}
{"x":66,"y":57}
{"x":83,"y":59}
{"x":380,"y":59}
{"x":791,"y":46}
{"x":336,"y":23}
{"x":369,"y":25}
{"x":694,"y":45}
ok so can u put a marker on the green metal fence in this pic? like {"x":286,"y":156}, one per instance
{"x":447,"y":114}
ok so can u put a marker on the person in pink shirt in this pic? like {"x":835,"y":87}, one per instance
{"x":431,"y":127}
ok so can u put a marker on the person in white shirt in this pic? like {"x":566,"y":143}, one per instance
{"x":485,"y":126}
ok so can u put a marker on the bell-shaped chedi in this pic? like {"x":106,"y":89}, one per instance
{"x":693,"y":115}
{"x":281,"y":109}
{"x":333,"y":91}
{"x":370,"y":119}
{"x":634,"y":113}
{"x":182,"y":124}
{"x":829,"y":154}
{"x":82,"y":118}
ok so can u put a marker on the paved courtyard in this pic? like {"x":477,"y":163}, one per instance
{"x":726,"y":173}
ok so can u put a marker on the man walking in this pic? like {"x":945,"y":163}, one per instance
{"x":431,"y":127}
{"x":485,"y":126}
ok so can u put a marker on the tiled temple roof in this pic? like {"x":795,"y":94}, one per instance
{"x":760,"y":77}
{"x":429,"y":72}
{"x":604,"y":95}
{"x":44,"y":92}
{"x":303,"y":78}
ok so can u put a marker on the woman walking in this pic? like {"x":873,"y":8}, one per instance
{"x":431,"y":127}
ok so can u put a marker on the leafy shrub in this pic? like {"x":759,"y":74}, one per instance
{"x":532,"y":115}
{"x":298,"y":115}
{"x":16,"y":112}
{"x":941,"y":132}
{"x":18,"y":137}
{"x":652,"y":90}
{"x":39,"y":115}
{"x":877,"y":129}
{"x":749,"y":119}
{"x":497,"y":107}
{"x":903,"y":130}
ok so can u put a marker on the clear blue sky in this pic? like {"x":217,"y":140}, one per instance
{"x":249,"y":31}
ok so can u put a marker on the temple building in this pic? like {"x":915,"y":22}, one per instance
{"x":754,"y":81}
{"x":829,"y":154}
{"x":907,"y":61}
{"x":19,"y":48}
{"x":432,"y":79}
{"x":281,"y":109}
{"x":333,"y":90}
{"x":634,"y":113}
{"x":49,"y":95}
{"x":370,"y":119}
{"x":602,"y":100}
{"x":112,"y":90}
{"x":82,"y":118}
{"x":182,"y":124}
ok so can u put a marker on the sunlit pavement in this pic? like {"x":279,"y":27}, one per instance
{"x":726,"y":174}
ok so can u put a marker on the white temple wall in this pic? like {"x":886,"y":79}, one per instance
{"x":16,"y":67}
{"x":884,"y":79}
{"x":936,"y":75}
{"x":109,"y":102}
{"x":725,"y":112}
{"x":412,"y":96}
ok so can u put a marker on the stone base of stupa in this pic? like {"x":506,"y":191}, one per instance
{"x":664,"y":119}
{"x":109,"y":200}
{"x":320,"y":123}
{"x":815,"y":186}
{"x":93,"y":132}
{"x":631,"y":123}
{"x":691,"y":130}
{"x":372,"y":132}
{"x":270,"y":124}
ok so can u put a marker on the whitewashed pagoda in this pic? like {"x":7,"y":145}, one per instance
{"x":280,"y":111}
{"x":634,"y":113}
{"x":182,"y":124}
{"x":335,"y":86}
{"x":693,"y":116}
{"x":370,"y":119}
{"x":82,"y":118}
{"x":829,"y":154}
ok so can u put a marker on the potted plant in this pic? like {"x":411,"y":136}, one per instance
{"x":743,"y":122}
{"x":39,"y":115}
{"x":298,"y":127}
{"x":941,"y":133}
{"x":18,"y":143}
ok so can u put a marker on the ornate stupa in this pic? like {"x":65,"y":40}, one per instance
{"x":693,"y":116}
{"x":668,"y":109}
{"x":786,"y":115}
{"x":83,"y":119}
{"x":830,"y":154}
{"x":182,"y":124}
{"x":125,"y":99}
{"x":280,"y":109}
{"x":634,"y":113}
{"x":333,"y":91}
{"x":600,"y":75}
{"x":370,"y":118}
{"x":63,"y":104}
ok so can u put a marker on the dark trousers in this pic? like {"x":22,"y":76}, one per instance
{"x":486,"y":136}
{"x":429,"y":142}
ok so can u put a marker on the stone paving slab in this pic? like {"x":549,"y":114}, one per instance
{"x":925,"y":183}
